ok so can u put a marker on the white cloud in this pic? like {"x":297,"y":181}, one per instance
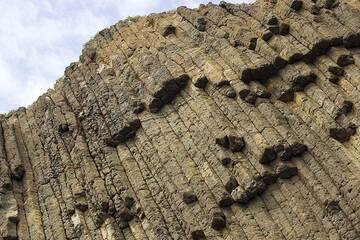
{"x":38,"y":39}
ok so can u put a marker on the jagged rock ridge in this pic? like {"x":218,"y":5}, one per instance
{"x":223,"y":122}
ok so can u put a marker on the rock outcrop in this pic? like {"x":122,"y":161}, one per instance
{"x":223,"y":122}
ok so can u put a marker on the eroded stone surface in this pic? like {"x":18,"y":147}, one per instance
{"x":124,"y":145}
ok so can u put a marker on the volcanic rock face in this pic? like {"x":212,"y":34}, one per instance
{"x":222,"y":122}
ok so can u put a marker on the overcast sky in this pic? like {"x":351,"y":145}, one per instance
{"x":39,"y":38}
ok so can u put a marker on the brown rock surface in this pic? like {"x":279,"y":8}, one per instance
{"x":132,"y":126}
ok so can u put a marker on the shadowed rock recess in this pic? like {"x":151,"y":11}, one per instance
{"x":223,"y":122}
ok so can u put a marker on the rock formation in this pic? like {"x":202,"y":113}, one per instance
{"x":223,"y":122}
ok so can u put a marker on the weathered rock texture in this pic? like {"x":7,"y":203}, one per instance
{"x":222,"y":122}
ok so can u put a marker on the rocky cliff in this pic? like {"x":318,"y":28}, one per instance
{"x":222,"y":122}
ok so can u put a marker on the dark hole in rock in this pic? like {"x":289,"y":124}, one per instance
{"x":14,"y":219}
{"x":168,"y":92}
{"x":297,"y":149}
{"x":126,"y":133}
{"x":201,"y":82}
{"x":226,"y":200}
{"x":155,"y":105}
{"x":223,"y":142}
{"x":112,"y":208}
{"x":272,"y":20}
{"x":284,"y":29}
{"x":218,"y":221}
{"x":225,"y":161}
{"x":319,"y":48}
{"x":352,"y":128}
{"x":126,"y":215}
{"x":315,"y":10}
{"x":340,"y":134}
{"x":18,"y":173}
{"x":251,"y":98}
{"x":81,"y":205}
{"x":351,"y":40}
{"x":139,"y":107}
{"x":256,"y":187}
{"x":200,"y":24}
{"x":236,"y":144}
{"x":286,"y":95}
{"x":262,"y":93}
{"x":268,"y":155}
{"x":296,"y":5}
{"x":247,"y":75}
{"x":63,"y":128}
{"x":189,"y":197}
{"x":243,"y":93}
{"x":300,"y":82}
{"x":337,"y":71}
{"x":252,"y":43}
{"x":104,"y":206}
{"x":332,"y":206}
{"x":285,"y":154}
{"x":347,"y":107}
{"x":268,"y":177}
{"x":275,"y":29}
{"x":279,"y":147}
{"x":198,"y":235}
{"x":129,"y":202}
{"x":91,"y":53}
{"x":267,"y":35}
{"x":345,"y":60}
{"x":285,"y":171}
{"x":328,"y":4}
{"x":334,"y":79}
{"x":278,"y":63}
{"x":296,"y":57}
{"x":168,"y":30}
{"x":231,"y":184}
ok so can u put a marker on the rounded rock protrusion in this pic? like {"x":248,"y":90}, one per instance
{"x":284,"y":29}
{"x":337,"y":71}
{"x":201,"y":82}
{"x":297,"y":149}
{"x":222,"y":142}
{"x":231,"y":184}
{"x":198,"y":235}
{"x":345,"y":60}
{"x":340,"y":134}
{"x":226,"y":200}
{"x":139,"y":107}
{"x":252,"y":43}
{"x":226,"y":161}
{"x":267,"y":35}
{"x":218,"y":221}
{"x":236,"y":144}
{"x":285,"y":171}
{"x":269,"y":177}
{"x":63,"y":128}
{"x":126,"y":215}
{"x":268,"y":155}
{"x":296,"y":5}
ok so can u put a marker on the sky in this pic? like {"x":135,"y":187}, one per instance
{"x":39,"y":38}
